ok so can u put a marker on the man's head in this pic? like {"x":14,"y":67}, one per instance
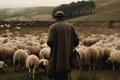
{"x":59,"y":15}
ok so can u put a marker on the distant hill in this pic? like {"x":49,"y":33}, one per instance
{"x":30,"y":13}
{"x":105,"y":10}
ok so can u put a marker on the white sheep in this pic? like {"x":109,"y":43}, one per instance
{"x":2,"y":65}
{"x":81,"y":50}
{"x":91,"y":57}
{"x":21,"y":46}
{"x":90,"y":41}
{"x":7,"y":53}
{"x":115,"y":58}
{"x":101,"y":54}
{"x":33,"y":50}
{"x":30,"y":43}
{"x":19,"y":59}
{"x":44,"y":45}
{"x":4,"y":40}
{"x":43,"y":38}
{"x":106,"y":54}
{"x":44,"y":53}
{"x":43,"y":64}
{"x":118,"y":47}
{"x":32,"y":64}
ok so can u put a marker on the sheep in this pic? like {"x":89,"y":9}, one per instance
{"x":101,"y":54}
{"x":33,"y":50}
{"x":4,"y":35}
{"x":9,"y":34}
{"x":7,"y":53}
{"x":18,"y":28}
{"x":30,"y":43}
{"x":4,"y":41}
{"x":91,"y":57}
{"x":106,"y":54}
{"x":21,"y":46}
{"x":115,"y":58}
{"x":43,"y":64}
{"x":44,"y":46}
{"x":43,"y":38}
{"x":19,"y":59}
{"x":32,"y":64}
{"x":1,"y":26}
{"x":44,"y":53}
{"x":90,"y":41}
{"x":2,"y":65}
{"x":118,"y":47}
{"x":81,"y":52}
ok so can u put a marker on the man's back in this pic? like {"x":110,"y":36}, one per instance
{"x":63,"y":43}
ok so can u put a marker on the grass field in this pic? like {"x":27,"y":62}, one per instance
{"x":96,"y":75}
{"x":9,"y":74}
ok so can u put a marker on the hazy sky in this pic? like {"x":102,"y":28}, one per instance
{"x":27,"y":3}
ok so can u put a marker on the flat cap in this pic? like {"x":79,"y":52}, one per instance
{"x":59,"y":14}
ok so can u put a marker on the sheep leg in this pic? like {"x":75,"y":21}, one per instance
{"x":15,"y":67}
{"x":33,"y":74}
{"x":23,"y":67}
{"x":80,"y":67}
{"x":20,"y":67}
{"x":90,"y":65}
{"x":30,"y":73}
{"x":113,"y":66}
{"x":100,"y":64}
{"x":89,"y":68}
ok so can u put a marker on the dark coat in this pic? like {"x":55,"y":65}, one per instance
{"x":62,"y":39}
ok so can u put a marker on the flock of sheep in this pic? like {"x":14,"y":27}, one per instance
{"x":98,"y":50}
{"x":27,"y":52}
{"x":31,"y":52}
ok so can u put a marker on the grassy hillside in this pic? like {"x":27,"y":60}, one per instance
{"x":105,"y":10}
{"x":31,"y":13}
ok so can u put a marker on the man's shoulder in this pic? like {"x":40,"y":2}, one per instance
{"x":61,"y":23}
{"x":68,"y":23}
